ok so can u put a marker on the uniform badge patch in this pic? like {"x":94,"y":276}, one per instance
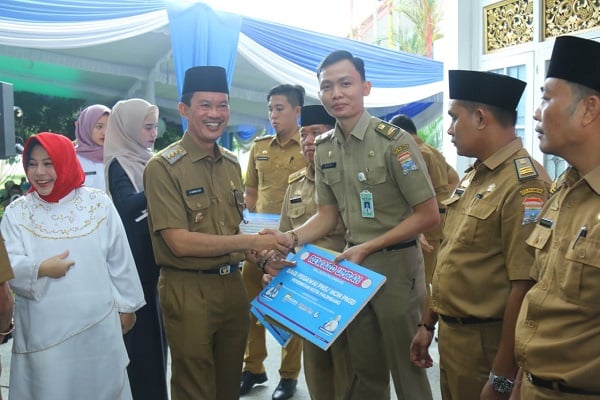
{"x":191,"y":192}
{"x":262,"y":158}
{"x":328,"y":165}
{"x":407,"y":163}
{"x":531,"y":209}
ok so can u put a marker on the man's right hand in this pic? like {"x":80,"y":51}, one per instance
{"x":419,"y":348}
{"x":56,"y":267}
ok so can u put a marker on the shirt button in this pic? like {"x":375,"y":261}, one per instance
{"x":569,"y":204}
{"x":543,"y":286}
{"x":530,"y":323}
{"x":581,"y":253}
{"x":555,"y":244}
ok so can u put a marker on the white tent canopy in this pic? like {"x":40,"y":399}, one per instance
{"x":105,"y":51}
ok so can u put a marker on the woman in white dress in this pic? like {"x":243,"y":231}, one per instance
{"x":90,"y":129}
{"x":75,"y":282}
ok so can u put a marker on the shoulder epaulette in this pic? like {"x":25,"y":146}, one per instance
{"x":388,"y":130}
{"x":174,"y":153}
{"x":525,"y":169}
{"x":558,"y":182}
{"x":324,"y":137}
{"x":258,"y":139}
{"x":296,"y":176}
{"x":228,"y":154}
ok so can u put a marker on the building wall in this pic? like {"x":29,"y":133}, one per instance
{"x":514,"y":37}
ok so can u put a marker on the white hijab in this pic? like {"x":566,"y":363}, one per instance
{"x":123,"y":140}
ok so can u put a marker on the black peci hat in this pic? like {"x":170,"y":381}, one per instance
{"x":486,"y":87}
{"x":315,"y":115}
{"x":576,"y":60}
{"x":205,"y":79}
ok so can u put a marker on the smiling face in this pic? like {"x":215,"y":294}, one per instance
{"x":207,"y":116}
{"x":342,"y":91}
{"x":40,"y":171}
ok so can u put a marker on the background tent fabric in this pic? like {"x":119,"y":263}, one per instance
{"x":105,"y":51}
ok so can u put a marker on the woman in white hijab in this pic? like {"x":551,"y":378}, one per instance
{"x":130,"y":135}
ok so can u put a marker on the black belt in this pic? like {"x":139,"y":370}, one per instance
{"x":222,"y":270}
{"x":467,"y":320}
{"x":557,"y":386}
{"x":398,"y":246}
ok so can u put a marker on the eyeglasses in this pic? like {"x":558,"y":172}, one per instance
{"x":238,"y":197}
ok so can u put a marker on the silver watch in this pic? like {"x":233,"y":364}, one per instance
{"x":501,"y":384}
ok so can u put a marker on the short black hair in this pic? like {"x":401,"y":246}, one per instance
{"x":404,"y":122}
{"x":340,"y":55}
{"x":506,"y":118}
{"x":293,"y":93}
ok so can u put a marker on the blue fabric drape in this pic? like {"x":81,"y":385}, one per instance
{"x":201,"y":36}
{"x":307,"y":49}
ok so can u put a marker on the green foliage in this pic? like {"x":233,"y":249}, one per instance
{"x":46,"y":114}
{"x":432,"y":133}
{"x":424,"y":16}
{"x":173,"y":133}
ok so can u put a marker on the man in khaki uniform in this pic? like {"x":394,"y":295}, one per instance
{"x":271,"y":161}
{"x":328,"y":373}
{"x":373,"y":175}
{"x":7,"y":302}
{"x":558,"y":330}
{"x":444,"y":180}
{"x":195,"y":205}
{"x":482,"y":271}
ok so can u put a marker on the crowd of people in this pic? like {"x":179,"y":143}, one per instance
{"x":117,"y":254}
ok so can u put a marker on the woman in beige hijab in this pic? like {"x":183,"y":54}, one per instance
{"x":130,"y":135}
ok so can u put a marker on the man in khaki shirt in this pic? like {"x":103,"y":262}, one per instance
{"x":271,"y":161}
{"x":329,"y":372}
{"x":558,"y":330}
{"x":195,"y":205}
{"x":444,"y":179}
{"x":373,"y":175}
{"x":482,"y":272}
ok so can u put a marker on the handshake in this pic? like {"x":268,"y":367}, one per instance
{"x":271,"y":249}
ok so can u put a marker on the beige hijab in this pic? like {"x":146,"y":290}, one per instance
{"x":123,"y":139}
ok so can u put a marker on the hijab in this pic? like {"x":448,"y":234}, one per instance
{"x":69,"y":174}
{"x":123,"y":140}
{"x":84,"y":126}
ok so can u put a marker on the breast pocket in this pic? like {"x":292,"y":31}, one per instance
{"x":196,"y":209}
{"x":296,"y":212}
{"x":478,"y":227}
{"x":580,"y":276}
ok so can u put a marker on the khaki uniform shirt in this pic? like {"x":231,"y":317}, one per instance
{"x":376,"y":158}
{"x":6,"y":272}
{"x":558,"y":330}
{"x":438,"y":172}
{"x":489,"y":216}
{"x":269,"y":166}
{"x":188,"y":189}
{"x":299,"y":204}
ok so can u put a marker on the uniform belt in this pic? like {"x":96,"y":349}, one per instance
{"x":222,"y":270}
{"x":442,"y":210}
{"x":398,"y":246}
{"x":557,"y":386}
{"x":468,"y":320}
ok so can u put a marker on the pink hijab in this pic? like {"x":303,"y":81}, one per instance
{"x":84,"y":126}
{"x":69,"y":174}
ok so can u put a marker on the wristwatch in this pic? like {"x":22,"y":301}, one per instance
{"x":500,"y":384}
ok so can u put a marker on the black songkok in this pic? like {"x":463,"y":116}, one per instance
{"x":315,"y":115}
{"x":205,"y":79}
{"x":576,"y":60}
{"x":486,"y":87}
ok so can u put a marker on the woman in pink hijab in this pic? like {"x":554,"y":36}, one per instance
{"x":90,"y":129}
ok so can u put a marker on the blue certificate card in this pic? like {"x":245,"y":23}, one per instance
{"x":282,"y":336}
{"x":317,"y":298}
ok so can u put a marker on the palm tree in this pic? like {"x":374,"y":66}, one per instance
{"x":425,"y":16}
